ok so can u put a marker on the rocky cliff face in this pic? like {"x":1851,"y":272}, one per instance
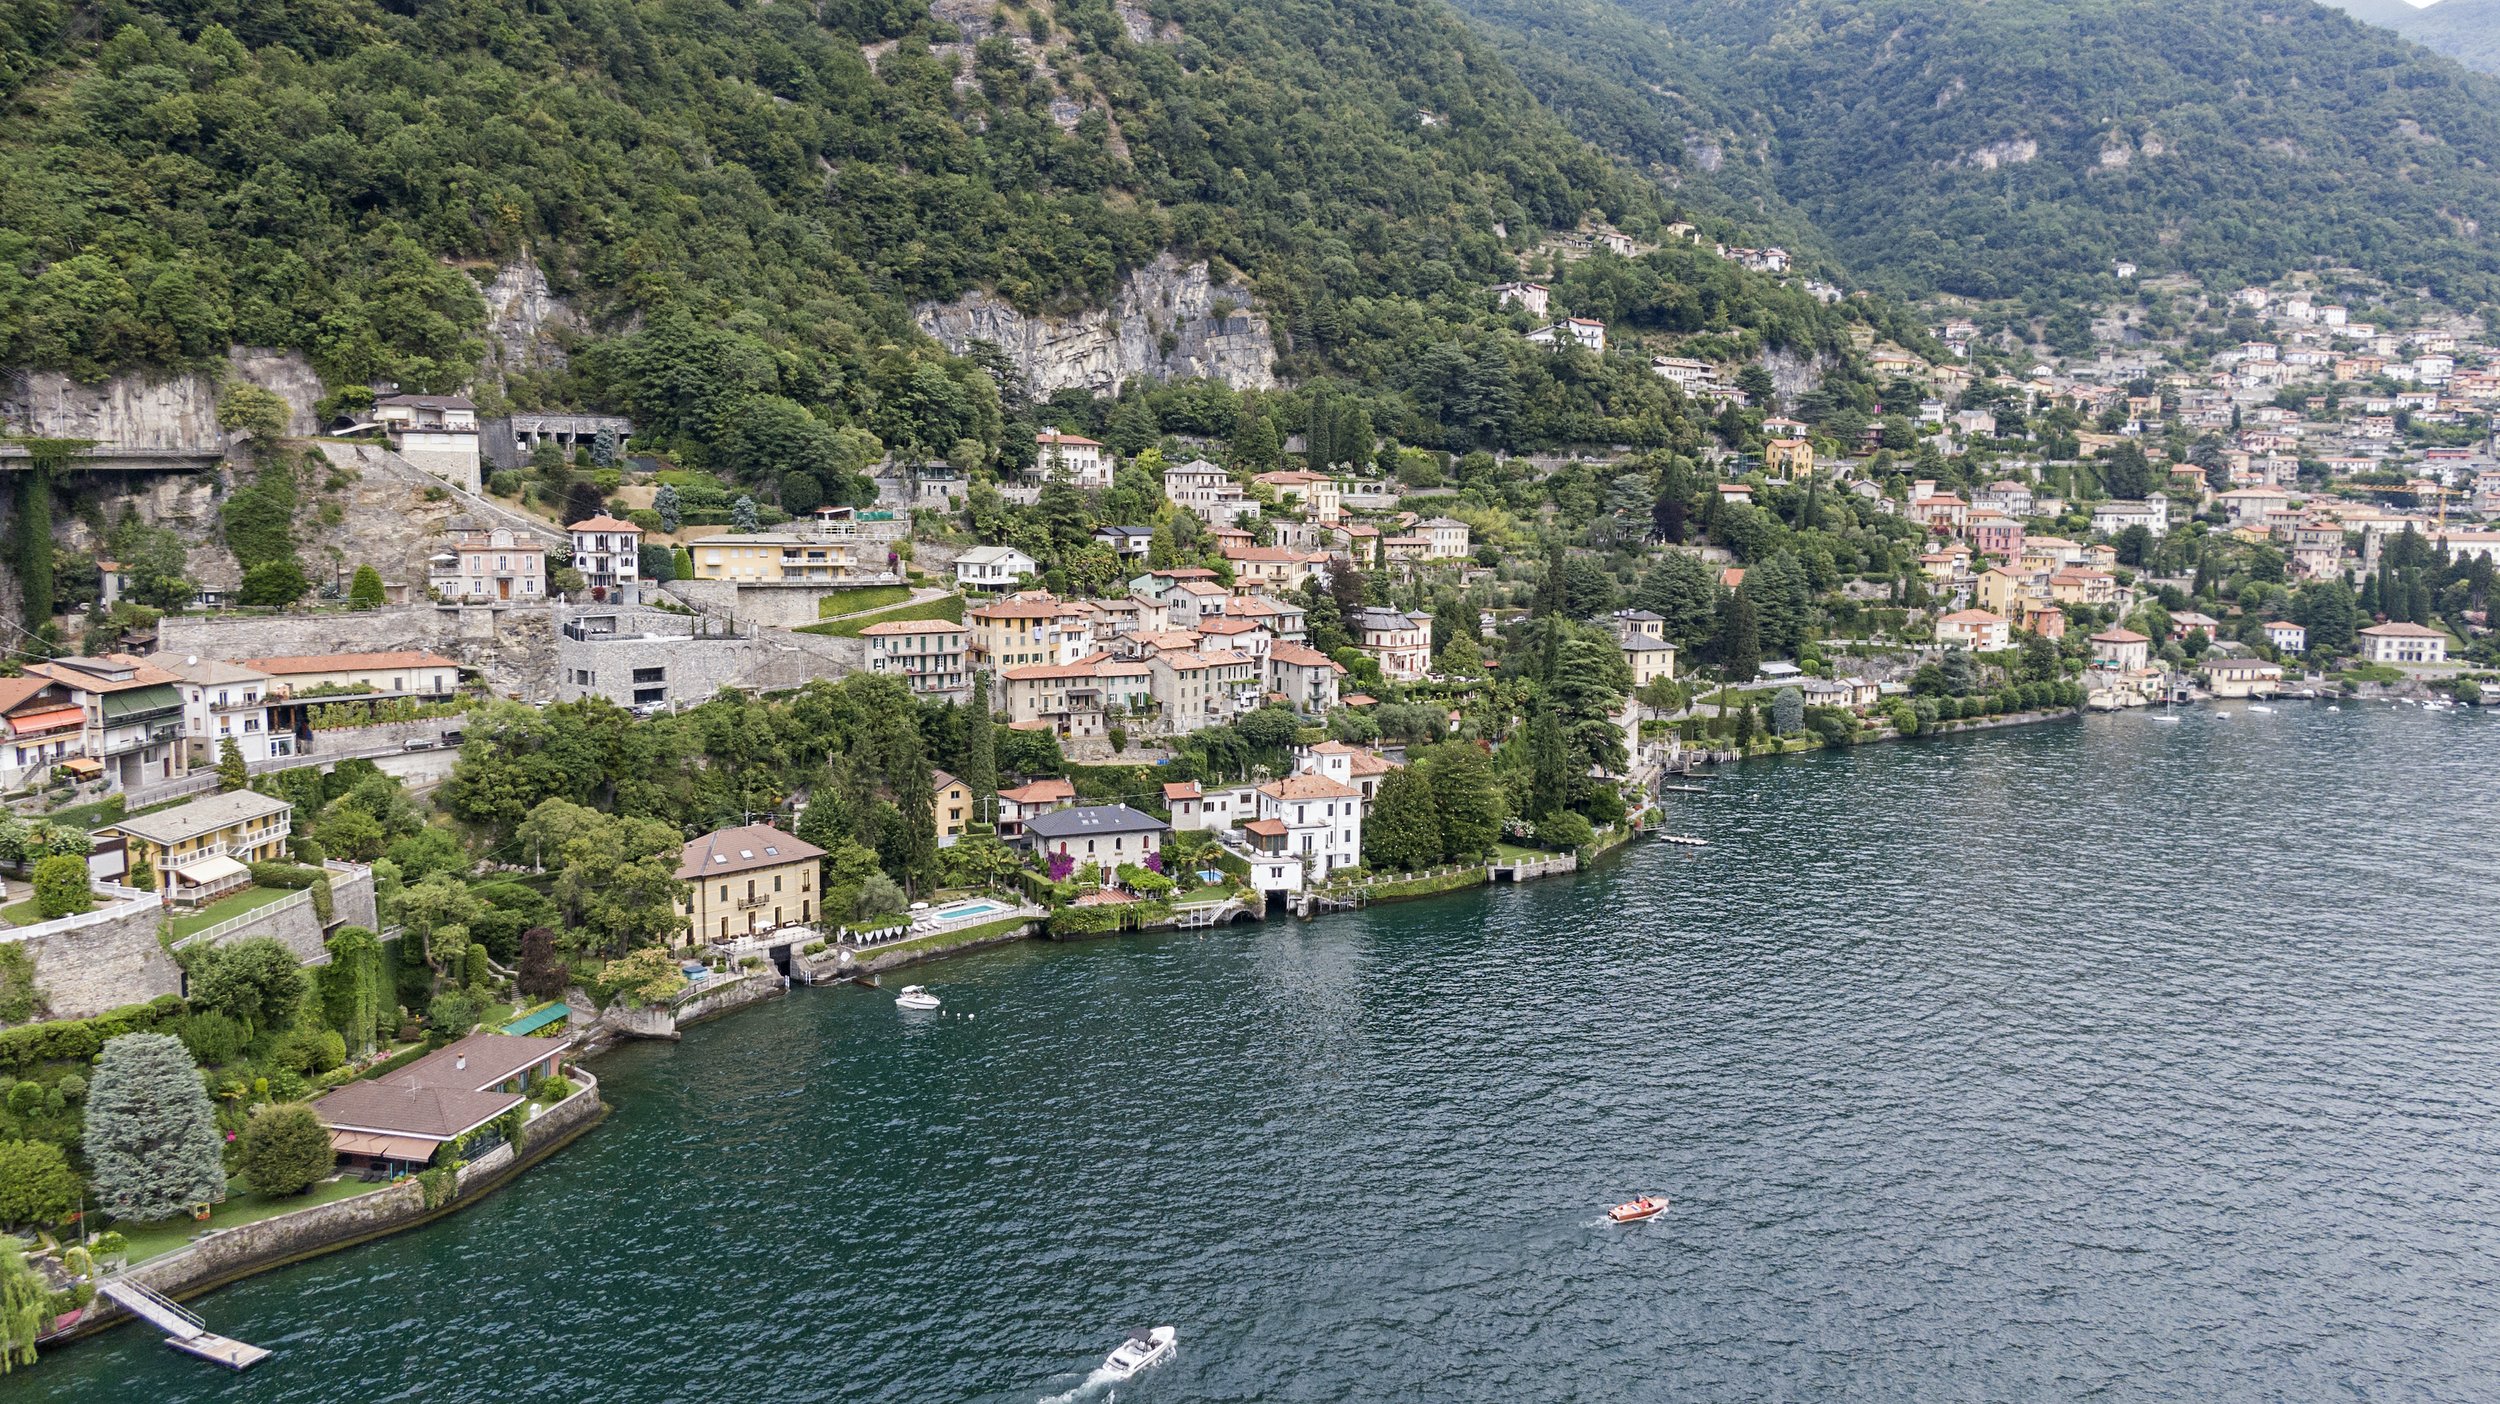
{"x":169,"y":412}
{"x":526,"y":323}
{"x":1162,"y":323}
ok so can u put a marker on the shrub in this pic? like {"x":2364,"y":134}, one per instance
{"x":549,"y":1090}
{"x":453,"y":1013}
{"x":214,"y":1039}
{"x":1565,"y":830}
{"x":475,"y":969}
{"x":63,"y":887}
{"x":36,"y":1185}
{"x":284,"y":1150}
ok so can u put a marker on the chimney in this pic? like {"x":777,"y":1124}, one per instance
{"x":460,"y":1063}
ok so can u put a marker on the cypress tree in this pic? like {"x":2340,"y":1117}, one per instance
{"x":1740,"y":637}
{"x":980,"y":764}
{"x":232,"y":773}
{"x":1549,"y":761}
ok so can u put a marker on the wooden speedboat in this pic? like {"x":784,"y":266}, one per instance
{"x":1636,"y":1210}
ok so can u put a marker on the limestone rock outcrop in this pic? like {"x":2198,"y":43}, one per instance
{"x":1163,"y":322}
{"x":161,"y":411}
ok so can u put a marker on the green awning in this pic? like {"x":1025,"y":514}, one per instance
{"x":532,"y":1023}
{"x":142,"y":701}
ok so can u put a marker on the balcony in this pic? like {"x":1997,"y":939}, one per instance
{"x":748,"y":904}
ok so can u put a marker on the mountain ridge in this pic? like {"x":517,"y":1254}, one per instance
{"x":2002,"y":149}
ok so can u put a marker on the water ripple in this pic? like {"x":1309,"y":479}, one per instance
{"x":2103,"y":1061}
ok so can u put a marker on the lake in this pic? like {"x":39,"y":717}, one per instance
{"x":2103,"y":1058}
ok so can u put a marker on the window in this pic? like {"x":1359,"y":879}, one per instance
{"x":776,"y":882}
{"x":650,"y":675}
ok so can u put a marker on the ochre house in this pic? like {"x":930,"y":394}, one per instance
{"x":747,"y":879}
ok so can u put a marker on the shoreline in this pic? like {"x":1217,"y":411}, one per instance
{"x":224,"y":1258}
{"x":406,"y":1217}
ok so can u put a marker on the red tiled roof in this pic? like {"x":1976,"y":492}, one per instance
{"x":1039,"y":792}
{"x":603,"y":522}
{"x":347,"y":662}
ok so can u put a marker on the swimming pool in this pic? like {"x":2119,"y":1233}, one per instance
{"x":966,"y":910}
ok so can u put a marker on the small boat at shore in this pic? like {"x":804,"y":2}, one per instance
{"x":915,"y":997}
{"x":1637,"y":1210}
{"x":2255,"y":708}
{"x":1143,"y":1349}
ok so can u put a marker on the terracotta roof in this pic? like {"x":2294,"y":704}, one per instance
{"x":743,"y":848}
{"x":1307,"y":786}
{"x":346,"y":662}
{"x":1086,"y":667}
{"x":604,"y":522}
{"x":2401,"y":630}
{"x":1052,"y":436}
{"x":915,"y":626}
{"x":1182,"y":790}
{"x":15,"y":691}
{"x":1016,"y":609}
{"x":1039,"y":792}
{"x":1266,"y":828}
{"x":2119,"y":636}
{"x":1972,"y":616}
{"x":1296,"y":655}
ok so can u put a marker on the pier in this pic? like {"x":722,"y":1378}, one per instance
{"x":184,"y":1331}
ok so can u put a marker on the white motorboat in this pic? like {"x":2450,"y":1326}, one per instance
{"x":915,"y":997}
{"x":1143,"y":1349}
{"x":2333,"y":708}
{"x":2255,"y":708}
{"x":2165,"y":716}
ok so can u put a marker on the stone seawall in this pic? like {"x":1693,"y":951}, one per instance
{"x":656,"y":1021}
{"x":227,"y":1255}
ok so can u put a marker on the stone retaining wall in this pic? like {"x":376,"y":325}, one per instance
{"x":105,"y":960}
{"x":512,"y":645}
{"x":666,"y":1021}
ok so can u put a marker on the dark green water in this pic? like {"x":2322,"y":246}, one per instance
{"x":2106,"y":1060}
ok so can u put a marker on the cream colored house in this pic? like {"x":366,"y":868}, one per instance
{"x":198,"y":851}
{"x":745,"y":880}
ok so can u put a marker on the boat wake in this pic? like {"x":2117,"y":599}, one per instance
{"x":1093,"y":1384}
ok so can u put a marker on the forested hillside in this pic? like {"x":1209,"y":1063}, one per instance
{"x":2001,"y":148}
{"x":2465,"y":30}
{"x":746,"y":201}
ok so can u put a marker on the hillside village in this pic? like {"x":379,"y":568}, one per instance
{"x":596,"y":742}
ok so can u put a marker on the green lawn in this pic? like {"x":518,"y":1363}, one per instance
{"x":227,"y":908}
{"x":24,"y":913}
{"x":91,"y":814}
{"x":856,"y":601}
{"x":241,"y":1207}
{"x":931,"y":945}
{"x":1513,"y":853}
{"x":950,"y":607}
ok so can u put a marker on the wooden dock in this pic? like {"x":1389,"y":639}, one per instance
{"x":209,"y":1346}
{"x":183,"y":1331}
